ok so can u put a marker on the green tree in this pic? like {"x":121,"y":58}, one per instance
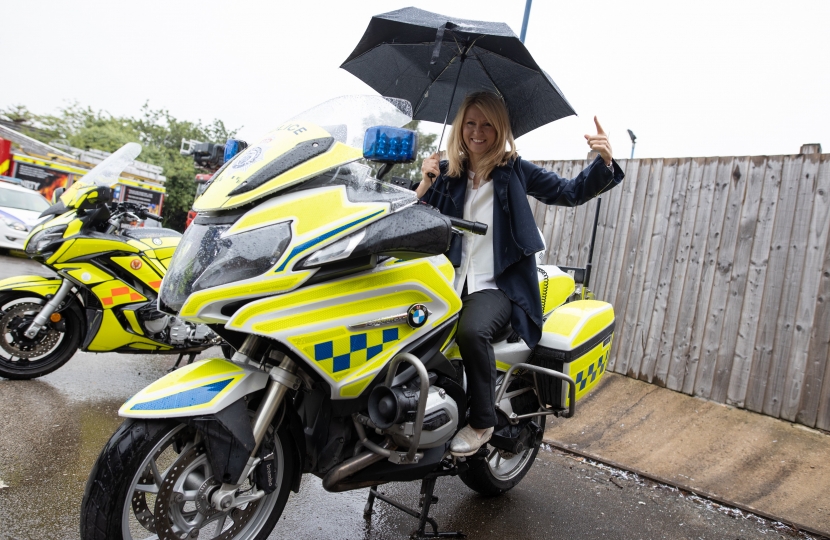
{"x":158,"y":131}
{"x":426,"y":147}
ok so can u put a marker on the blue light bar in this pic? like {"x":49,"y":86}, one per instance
{"x":233,"y":147}
{"x":390,"y":144}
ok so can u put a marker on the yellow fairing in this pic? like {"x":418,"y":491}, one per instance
{"x":198,"y":302}
{"x":73,"y":192}
{"x":114,"y":293}
{"x":140,"y":268}
{"x":254,"y":159}
{"x":68,"y":218}
{"x":112,"y":335}
{"x":86,"y":273}
{"x":325,"y":323}
{"x":311,"y":229}
{"x":86,"y":246}
{"x":164,"y":244}
{"x":133,"y":320}
{"x":36,"y":284}
{"x":204,"y":387}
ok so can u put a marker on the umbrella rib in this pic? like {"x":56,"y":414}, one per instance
{"x":461,"y":51}
{"x":426,"y":90}
{"x":487,"y":72}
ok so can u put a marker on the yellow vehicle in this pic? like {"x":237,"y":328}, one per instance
{"x":333,"y":287}
{"x":103,"y":298}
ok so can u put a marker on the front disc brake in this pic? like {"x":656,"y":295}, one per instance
{"x":15,"y":321}
{"x":169,"y":508}
{"x":140,"y":509}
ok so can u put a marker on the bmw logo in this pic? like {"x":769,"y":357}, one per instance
{"x":417,"y":315}
{"x":157,"y":241}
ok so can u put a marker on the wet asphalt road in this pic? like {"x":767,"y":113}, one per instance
{"x":52,"y":429}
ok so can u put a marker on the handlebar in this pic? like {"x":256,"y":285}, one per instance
{"x":475,"y":227}
{"x":148,"y":215}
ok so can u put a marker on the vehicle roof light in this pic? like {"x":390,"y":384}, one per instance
{"x":390,"y":144}
{"x":233,"y":147}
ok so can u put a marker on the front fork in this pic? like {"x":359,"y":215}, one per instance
{"x":283,"y":379}
{"x":48,"y":309}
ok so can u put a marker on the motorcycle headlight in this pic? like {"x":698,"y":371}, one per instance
{"x":206,"y":257}
{"x":41,"y":240}
{"x":15,"y":224}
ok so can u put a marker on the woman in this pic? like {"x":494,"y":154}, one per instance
{"x":485,"y":180}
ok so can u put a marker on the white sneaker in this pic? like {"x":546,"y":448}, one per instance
{"x":467,"y":442}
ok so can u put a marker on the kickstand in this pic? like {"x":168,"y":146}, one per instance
{"x":427,"y":499}
{"x":191,"y":357}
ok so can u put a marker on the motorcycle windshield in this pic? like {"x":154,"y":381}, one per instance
{"x":105,"y":173}
{"x":306,"y":145}
{"x":212,"y":254}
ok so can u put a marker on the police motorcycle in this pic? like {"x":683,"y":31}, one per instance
{"x":333,"y":288}
{"x":103,"y":298}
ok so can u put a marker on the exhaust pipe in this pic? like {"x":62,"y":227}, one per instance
{"x":334,"y":481}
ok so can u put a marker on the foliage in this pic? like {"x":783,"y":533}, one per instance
{"x":158,"y":131}
{"x":426,"y":147}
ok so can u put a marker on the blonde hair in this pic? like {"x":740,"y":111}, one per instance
{"x":492,"y":107}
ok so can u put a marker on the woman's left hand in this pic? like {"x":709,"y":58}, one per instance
{"x":600,"y":144}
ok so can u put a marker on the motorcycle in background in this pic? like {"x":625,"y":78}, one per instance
{"x":108,"y":277}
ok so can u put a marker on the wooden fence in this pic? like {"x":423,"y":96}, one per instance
{"x":719,"y":272}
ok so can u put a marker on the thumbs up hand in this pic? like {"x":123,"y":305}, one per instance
{"x":599,"y":143}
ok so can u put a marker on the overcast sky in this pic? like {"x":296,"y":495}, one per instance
{"x":700,"y":78}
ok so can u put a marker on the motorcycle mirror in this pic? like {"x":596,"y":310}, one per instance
{"x":57,"y":194}
{"x":387,"y":144}
{"x":95,"y":197}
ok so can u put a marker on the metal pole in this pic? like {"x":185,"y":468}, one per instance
{"x":633,"y":142}
{"x":591,"y":249}
{"x":524,"y":22}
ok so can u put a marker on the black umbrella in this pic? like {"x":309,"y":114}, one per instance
{"x":427,"y":58}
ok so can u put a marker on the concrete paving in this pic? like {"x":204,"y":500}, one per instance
{"x":768,"y":466}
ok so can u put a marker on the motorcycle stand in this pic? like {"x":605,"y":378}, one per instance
{"x":191,"y":357}
{"x":427,"y":499}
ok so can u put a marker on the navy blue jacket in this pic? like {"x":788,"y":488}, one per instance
{"x":515,"y":235}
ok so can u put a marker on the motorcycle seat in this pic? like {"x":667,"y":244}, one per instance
{"x":140,"y":233}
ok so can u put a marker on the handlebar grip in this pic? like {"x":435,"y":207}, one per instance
{"x":475,"y":227}
{"x":154,"y":217}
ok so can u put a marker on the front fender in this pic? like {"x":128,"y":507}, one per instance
{"x":202,"y":388}
{"x":39,"y":285}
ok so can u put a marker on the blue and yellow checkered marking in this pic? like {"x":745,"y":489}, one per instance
{"x":355,"y":350}
{"x":591,"y":373}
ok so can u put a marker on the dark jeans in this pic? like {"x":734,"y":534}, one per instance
{"x":483,"y":314}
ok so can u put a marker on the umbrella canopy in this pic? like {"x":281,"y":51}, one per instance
{"x":433,"y":61}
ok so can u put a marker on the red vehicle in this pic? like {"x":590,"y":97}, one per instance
{"x":201,"y":184}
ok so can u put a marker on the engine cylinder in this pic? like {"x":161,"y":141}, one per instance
{"x":388,"y":406}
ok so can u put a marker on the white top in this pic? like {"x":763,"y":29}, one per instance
{"x":476,"y":250}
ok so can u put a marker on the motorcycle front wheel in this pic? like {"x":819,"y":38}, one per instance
{"x":153,"y":480}
{"x":26,"y":358}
